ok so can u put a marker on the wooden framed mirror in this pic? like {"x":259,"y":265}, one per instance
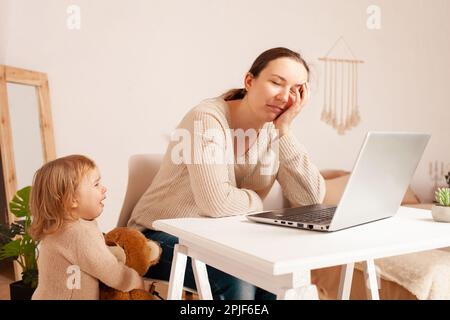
{"x":24,"y":105}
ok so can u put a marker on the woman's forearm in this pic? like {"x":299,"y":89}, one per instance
{"x":299,"y":178}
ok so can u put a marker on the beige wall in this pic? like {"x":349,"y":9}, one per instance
{"x":124,"y":80}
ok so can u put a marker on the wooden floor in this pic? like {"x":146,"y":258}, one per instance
{"x":6,"y":277}
{"x":162,"y":289}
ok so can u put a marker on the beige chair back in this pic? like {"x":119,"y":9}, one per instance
{"x":142,"y":168}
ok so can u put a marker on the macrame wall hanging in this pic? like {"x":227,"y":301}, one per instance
{"x":341,"y":109}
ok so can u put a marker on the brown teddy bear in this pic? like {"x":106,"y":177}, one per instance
{"x":136,"y":251}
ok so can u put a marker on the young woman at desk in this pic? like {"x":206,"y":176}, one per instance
{"x":197,"y":178}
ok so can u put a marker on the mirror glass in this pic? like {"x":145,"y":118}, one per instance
{"x":26,"y":135}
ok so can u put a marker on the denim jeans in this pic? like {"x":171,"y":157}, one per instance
{"x":223,"y":285}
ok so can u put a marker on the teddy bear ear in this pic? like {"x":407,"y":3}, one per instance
{"x":155,"y":250}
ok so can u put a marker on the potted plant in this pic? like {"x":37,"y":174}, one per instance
{"x":17,"y":244}
{"x":441,"y":211}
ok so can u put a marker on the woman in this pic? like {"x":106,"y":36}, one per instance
{"x":234,"y":148}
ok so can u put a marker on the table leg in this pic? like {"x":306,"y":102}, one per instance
{"x":177,"y":271}
{"x":201,"y":280}
{"x":370,"y":275}
{"x":345,"y":284}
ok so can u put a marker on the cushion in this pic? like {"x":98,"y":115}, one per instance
{"x":335,"y":189}
{"x":336,"y":185}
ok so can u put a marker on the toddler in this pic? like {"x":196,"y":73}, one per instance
{"x":66,"y":198}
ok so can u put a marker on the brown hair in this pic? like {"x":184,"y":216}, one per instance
{"x":53,"y":192}
{"x":260,"y":63}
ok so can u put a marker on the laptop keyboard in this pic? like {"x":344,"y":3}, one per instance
{"x":319,"y":216}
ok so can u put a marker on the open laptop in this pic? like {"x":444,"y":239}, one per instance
{"x":378,"y":182}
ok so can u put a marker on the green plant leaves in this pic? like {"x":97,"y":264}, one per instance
{"x":7,"y":233}
{"x":19,"y":205}
{"x":443,"y":196}
{"x":10,"y":250}
{"x":30,"y":277}
{"x":16,"y":243}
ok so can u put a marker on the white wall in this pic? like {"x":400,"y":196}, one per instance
{"x":4,"y":11}
{"x":125,"y":79}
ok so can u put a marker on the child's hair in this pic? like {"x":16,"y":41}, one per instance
{"x":53,"y":193}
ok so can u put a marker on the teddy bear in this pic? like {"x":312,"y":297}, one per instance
{"x":136,"y":251}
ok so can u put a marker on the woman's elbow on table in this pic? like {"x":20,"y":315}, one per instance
{"x":229,"y":205}
{"x":322,"y":190}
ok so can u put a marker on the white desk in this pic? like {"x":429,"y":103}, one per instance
{"x":279,"y":259}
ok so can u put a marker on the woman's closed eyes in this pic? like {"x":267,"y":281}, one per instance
{"x":292,"y":91}
{"x":275,"y":83}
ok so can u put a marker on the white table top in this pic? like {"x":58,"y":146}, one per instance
{"x":279,"y":250}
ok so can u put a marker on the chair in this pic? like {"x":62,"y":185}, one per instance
{"x":142,"y":168}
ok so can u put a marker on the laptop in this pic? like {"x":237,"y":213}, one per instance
{"x":380,"y":177}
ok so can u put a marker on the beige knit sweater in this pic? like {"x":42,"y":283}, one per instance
{"x":72,"y":261}
{"x":193,"y":188}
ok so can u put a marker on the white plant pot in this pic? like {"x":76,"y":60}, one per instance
{"x":440,"y":213}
